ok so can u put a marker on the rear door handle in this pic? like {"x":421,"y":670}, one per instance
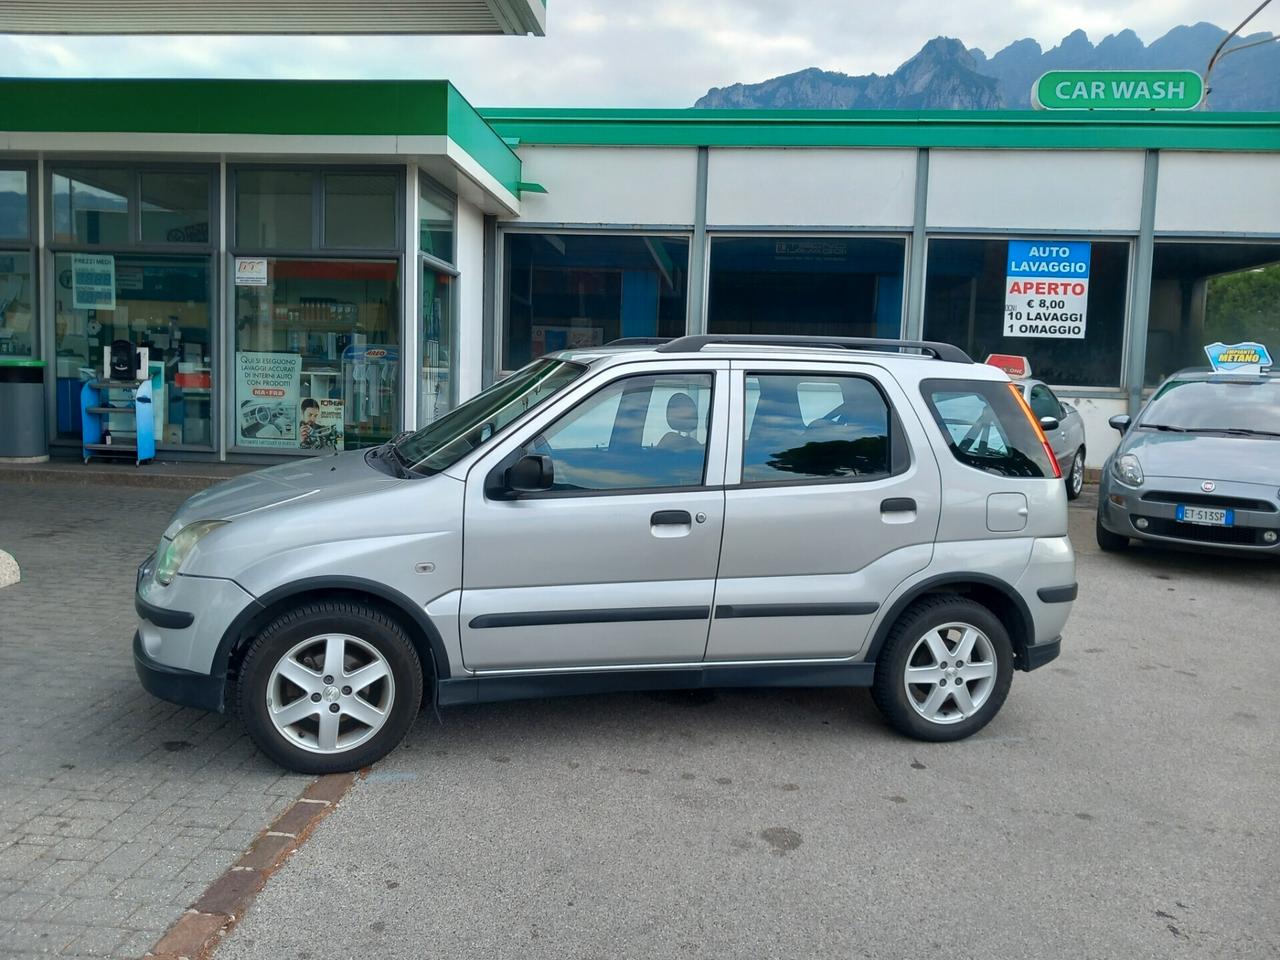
{"x":671,"y":518}
{"x":897,"y":505}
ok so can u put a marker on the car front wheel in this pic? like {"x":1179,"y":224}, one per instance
{"x":330,"y":687}
{"x":945,"y":669}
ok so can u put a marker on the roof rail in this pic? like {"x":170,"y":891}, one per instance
{"x":692,"y":344}
{"x":638,"y":341}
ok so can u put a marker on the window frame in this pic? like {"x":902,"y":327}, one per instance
{"x":134,"y":242}
{"x":1103,"y":236}
{"x":30,"y":245}
{"x":898,"y":443}
{"x":520,"y":451}
{"x":500,"y":273}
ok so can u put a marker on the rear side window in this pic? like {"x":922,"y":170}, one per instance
{"x":814,"y":427}
{"x":986,"y":428}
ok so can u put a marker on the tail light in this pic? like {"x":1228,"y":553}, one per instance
{"x":1035,"y":425}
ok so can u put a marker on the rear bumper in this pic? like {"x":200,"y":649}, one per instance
{"x":176,"y":685}
{"x":1038,"y":654}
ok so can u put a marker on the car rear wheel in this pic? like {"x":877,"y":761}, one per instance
{"x":1075,"y":479}
{"x":1108,"y":541}
{"x":945,"y":669}
{"x":330,"y":687}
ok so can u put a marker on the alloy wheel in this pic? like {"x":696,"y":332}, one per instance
{"x":330,"y":693}
{"x":950,"y":673}
{"x":1077,"y":475}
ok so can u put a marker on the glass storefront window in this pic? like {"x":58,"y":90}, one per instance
{"x":158,"y":302}
{"x":437,"y":391}
{"x":17,"y":296}
{"x":15,"y":218}
{"x":317,"y":356}
{"x":1208,"y":292}
{"x":175,"y":207}
{"x":360,"y":211}
{"x":967,"y":285}
{"x":435,"y":222}
{"x":583,"y":290}
{"x":811,"y":286}
{"x":274,"y":209}
{"x":91,"y":205}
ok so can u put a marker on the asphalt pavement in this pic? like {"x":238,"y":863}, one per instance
{"x":1122,"y":805}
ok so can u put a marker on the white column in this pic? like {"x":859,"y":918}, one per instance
{"x":469,"y":247}
{"x":411,"y":326}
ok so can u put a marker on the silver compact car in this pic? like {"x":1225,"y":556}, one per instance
{"x":704,"y":512}
{"x":1200,"y":466}
{"x":1064,"y":427}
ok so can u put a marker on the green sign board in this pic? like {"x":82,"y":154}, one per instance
{"x":1118,"y":90}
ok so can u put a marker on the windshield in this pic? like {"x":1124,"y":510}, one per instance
{"x":440,"y":445}
{"x":1216,"y":406}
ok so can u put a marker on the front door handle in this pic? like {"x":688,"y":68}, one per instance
{"x":897,"y":505}
{"x":671,"y":518}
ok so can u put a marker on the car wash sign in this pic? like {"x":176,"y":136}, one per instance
{"x":1118,"y":90}
{"x":1046,"y":291}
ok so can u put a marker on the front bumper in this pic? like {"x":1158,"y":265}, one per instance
{"x":175,"y":685}
{"x":1149,"y":512}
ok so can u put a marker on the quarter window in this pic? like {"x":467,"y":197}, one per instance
{"x":639,"y":433}
{"x":807,"y":427}
{"x":986,"y":428}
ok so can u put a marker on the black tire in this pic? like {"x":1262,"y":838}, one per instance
{"x":1108,"y":541}
{"x":366,"y":624}
{"x":889,"y":691}
{"x":1075,"y":478}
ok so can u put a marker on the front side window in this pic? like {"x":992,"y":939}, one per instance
{"x":814,"y":427}
{"x":646,"y":432}
{"x":1043,"y":403}
{"x":986,"y":427}
{"x":442,"y":444}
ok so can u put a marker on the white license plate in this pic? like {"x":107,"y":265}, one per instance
{"x":1211,"y":516}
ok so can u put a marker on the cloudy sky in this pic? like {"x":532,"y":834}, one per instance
{"x":662,"y":53}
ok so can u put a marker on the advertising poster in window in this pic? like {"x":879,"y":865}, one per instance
{"x":267,"y":409}
{"x":1047,"y":289}
{"x":93,"y":281}
{"x":321,"y":426}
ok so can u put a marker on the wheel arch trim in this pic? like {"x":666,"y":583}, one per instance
{"x":428,"y":637}
{"x":955,"y":583}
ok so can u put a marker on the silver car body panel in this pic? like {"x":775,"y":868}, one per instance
{"x":546,"y":583}
{"x":1069,"y":435}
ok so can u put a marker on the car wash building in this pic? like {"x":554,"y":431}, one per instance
{"x":319,"y":265}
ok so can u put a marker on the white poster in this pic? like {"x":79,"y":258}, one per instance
{"x":251,"y":272}
{"x":1047,"y":289}
{"x":321,"y":427}
{"x":267,"y":399}
{"x":93,"y":281}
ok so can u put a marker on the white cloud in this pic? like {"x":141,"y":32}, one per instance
{"x":661,"y":53}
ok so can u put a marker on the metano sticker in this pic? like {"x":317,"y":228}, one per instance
{"x":1047,"y":289}
{"x":1250,"y":357}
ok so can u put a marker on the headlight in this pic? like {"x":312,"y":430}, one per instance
{"x":171,"y":558}
{"x":1128,"y":470}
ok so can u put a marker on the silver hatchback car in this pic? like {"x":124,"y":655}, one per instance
{"x":712,"y":511}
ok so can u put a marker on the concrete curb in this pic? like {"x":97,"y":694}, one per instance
{"x":215,"y":912}
{"x":9,"y":572}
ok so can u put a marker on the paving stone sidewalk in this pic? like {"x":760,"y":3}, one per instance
{"x":116,"y":809}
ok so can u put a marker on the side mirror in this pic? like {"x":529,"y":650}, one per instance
{"x":1121,"y":422}
{"x":531,"y":474}
{"x":1049,"y":423}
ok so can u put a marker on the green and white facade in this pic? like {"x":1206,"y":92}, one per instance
{"x":387,"y":249}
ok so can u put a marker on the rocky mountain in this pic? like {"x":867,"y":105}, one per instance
{"x":945,"y":75}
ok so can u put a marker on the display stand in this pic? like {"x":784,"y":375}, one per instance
{"x":96,"y":408}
